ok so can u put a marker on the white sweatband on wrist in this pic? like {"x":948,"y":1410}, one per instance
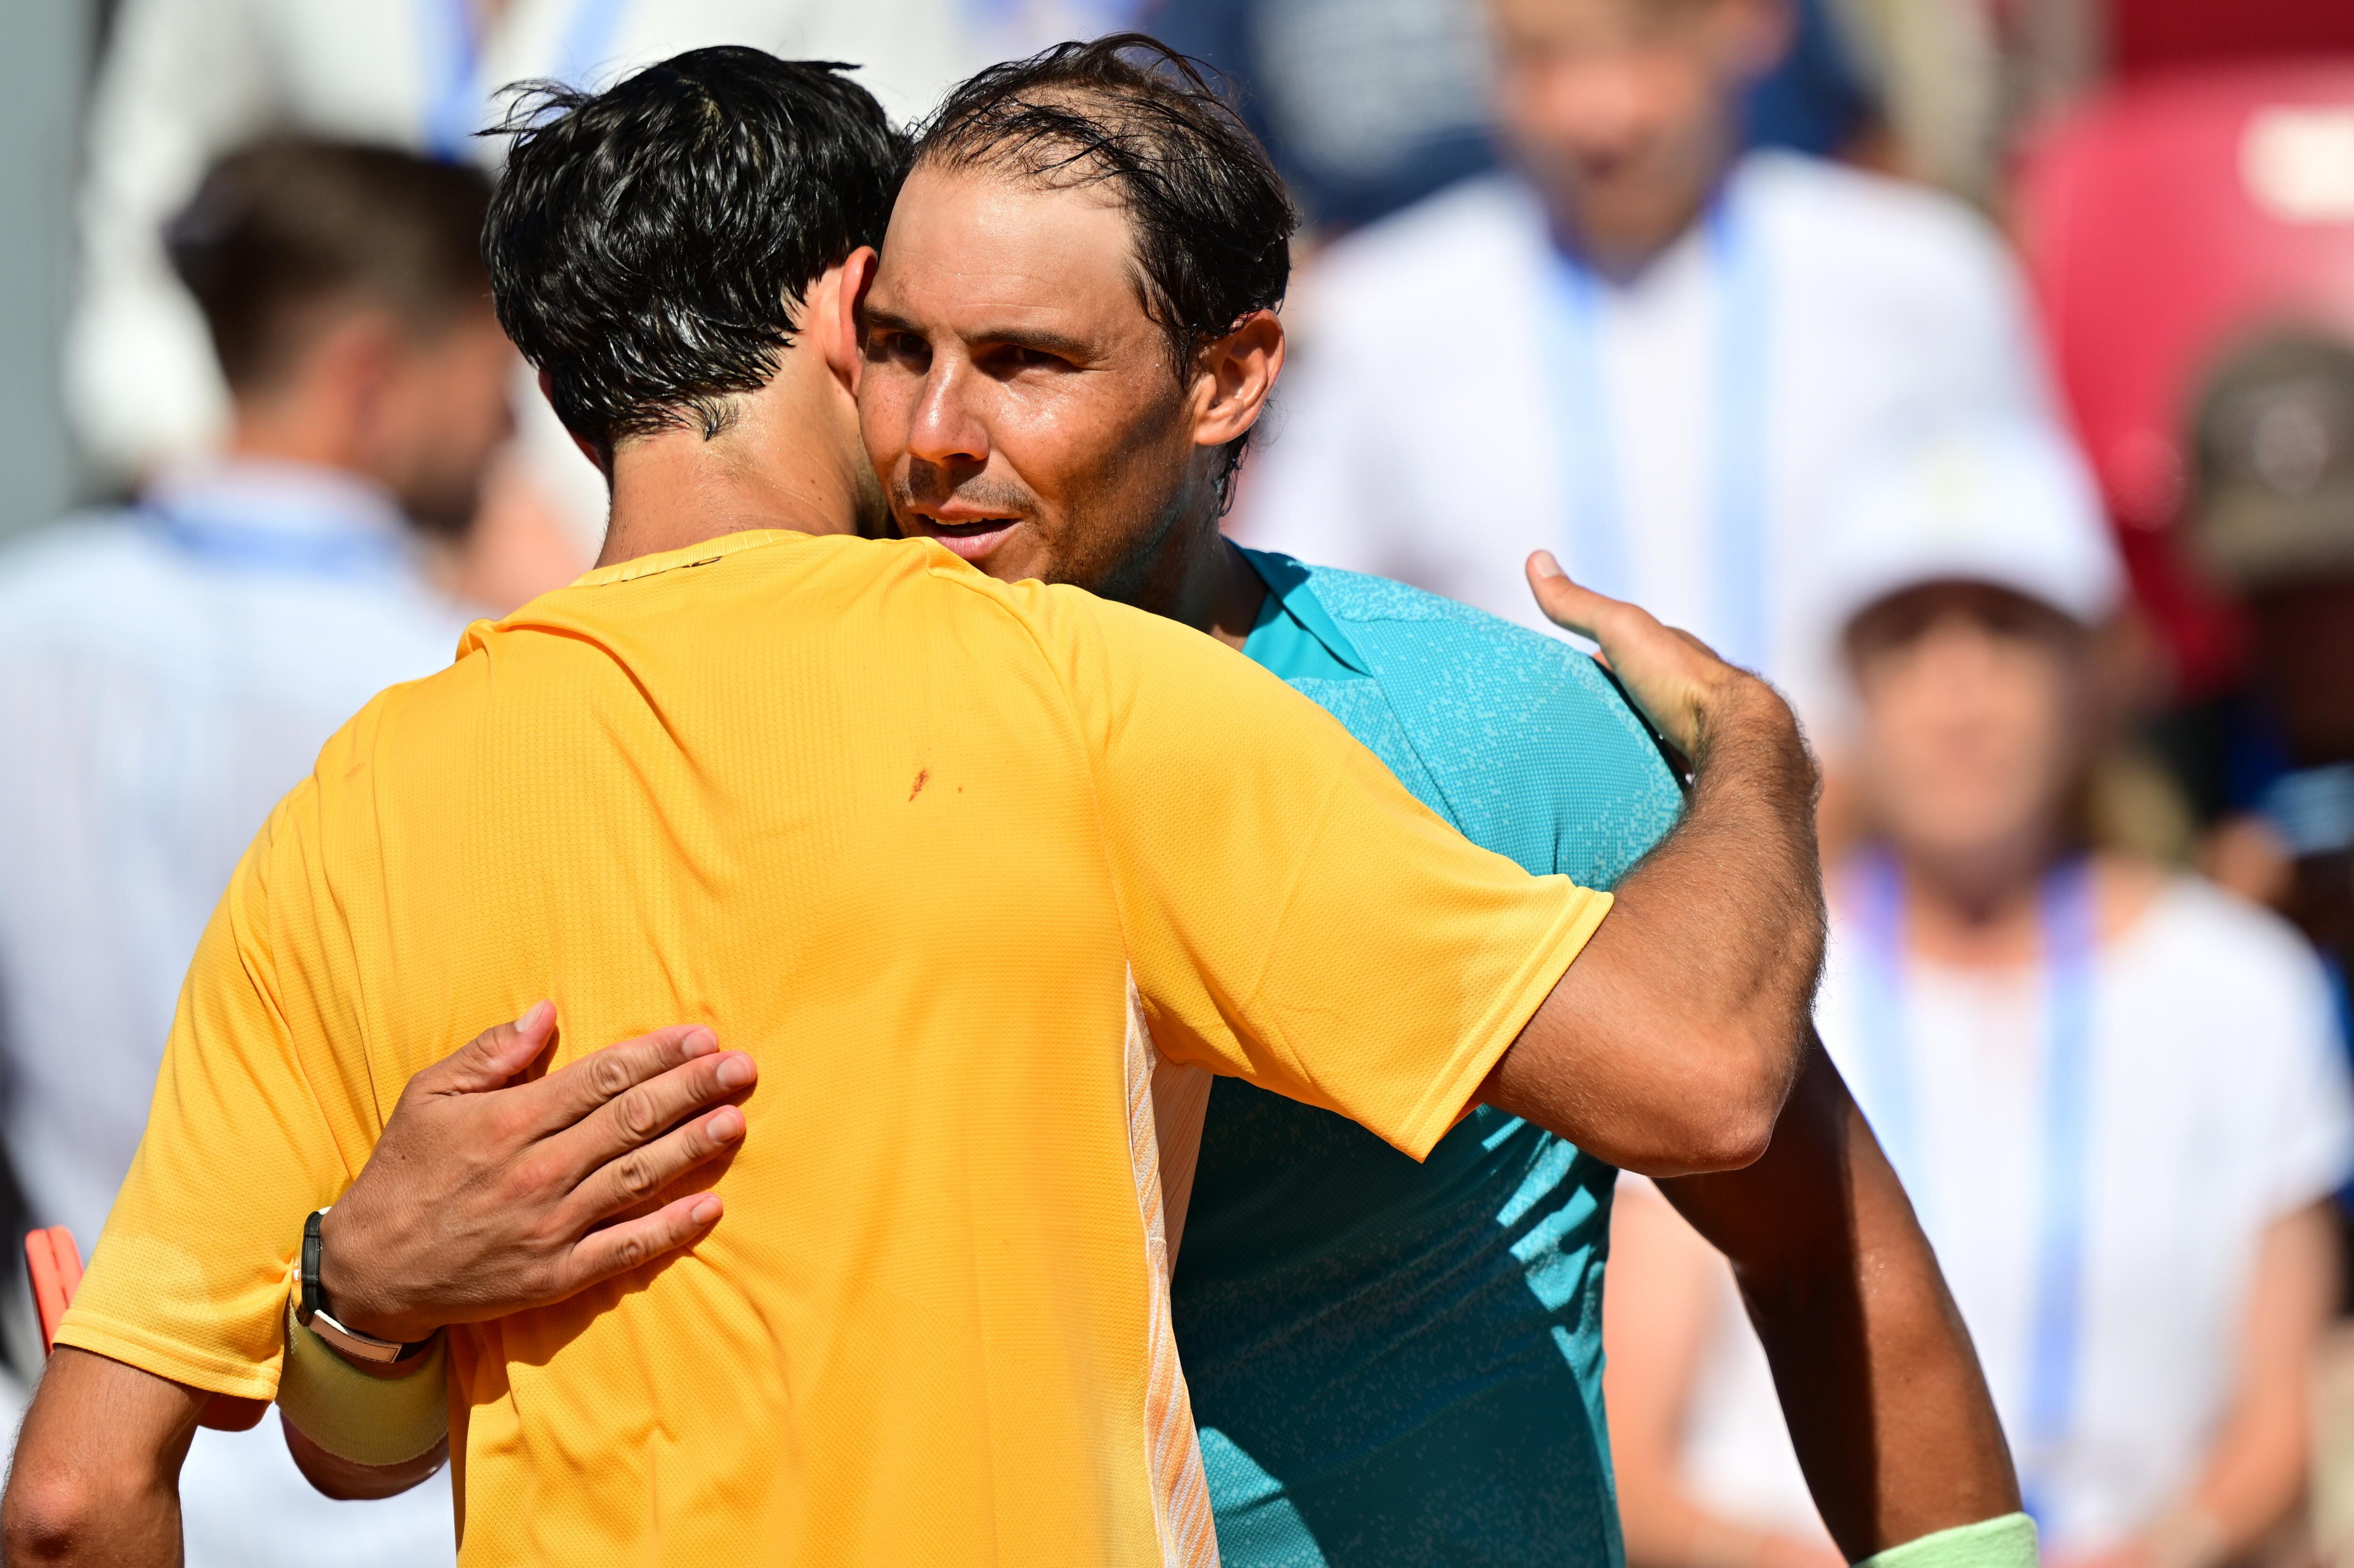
{"x":2005,"y":1542}
{"x":367,"y":1420}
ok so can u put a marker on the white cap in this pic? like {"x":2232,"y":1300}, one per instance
{"x":2004,"y":502}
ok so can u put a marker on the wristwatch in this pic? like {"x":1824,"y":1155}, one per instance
{"x":312,"y":1311}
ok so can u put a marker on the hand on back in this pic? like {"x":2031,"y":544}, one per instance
{"x":490,"y":1193}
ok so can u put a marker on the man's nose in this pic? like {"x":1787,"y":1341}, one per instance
{"x":1597,"y":111}
{"x":946,"y":431}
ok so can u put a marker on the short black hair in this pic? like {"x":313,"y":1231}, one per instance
{"x":1212,"y":218}
{"x":650,"y":245}
{"x":282,"y":231}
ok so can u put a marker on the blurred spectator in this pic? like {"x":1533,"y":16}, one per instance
{"x":2272,"y":521}
{"x":185,"y":80}
{"x":1647,"y":352}
{"x":2115,"y":1095}
{"x":2164,"y":222}
{"x":1367,"y":107}
{"x":169,"y":671}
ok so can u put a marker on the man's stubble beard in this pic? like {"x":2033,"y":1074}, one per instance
{"x":873,"y":506}
{"x":1124,"y":541}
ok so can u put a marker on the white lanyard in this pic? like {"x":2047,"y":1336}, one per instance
{"x":1598,"y":547}
{"x":457,"y":98}
{"x":2070,"y":923}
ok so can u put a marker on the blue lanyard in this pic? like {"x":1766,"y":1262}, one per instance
{"x":456,"y":98}
{"x":2070,"y":918}
{"x":1599,"y":548}
{"x":341,"y":555}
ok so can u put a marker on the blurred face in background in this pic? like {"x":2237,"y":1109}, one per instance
{"x":1626,"y":112}
{"x":1976,"y":705}
{"x":1019,"y":403}
{"x":439,"y":411}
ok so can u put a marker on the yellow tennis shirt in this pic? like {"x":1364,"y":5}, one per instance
{"x":904,"y":834}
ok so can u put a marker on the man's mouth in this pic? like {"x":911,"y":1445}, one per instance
{"x":973,"y":538}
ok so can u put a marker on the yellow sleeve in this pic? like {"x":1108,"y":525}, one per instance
{"x":190,"y":1277}
{"x":1294,"y":915}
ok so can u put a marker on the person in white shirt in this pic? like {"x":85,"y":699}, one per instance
{"x":2116,"y":1096}
{"x":1645,"y":352}
{"x":186,"y":81}
{"x":168,"y":670}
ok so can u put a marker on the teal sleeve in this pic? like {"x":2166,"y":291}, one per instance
{"x":367,"y":1420}
{"x":2005,"y":1542}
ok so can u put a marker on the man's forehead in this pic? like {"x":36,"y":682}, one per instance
{"x":1578,"y":21}
{"x":965,"y":239}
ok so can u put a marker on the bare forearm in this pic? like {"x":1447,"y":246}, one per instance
{"x":2253,"y":1483}
{"x":96,"y":1475}
{"x":1886,"y":1404}
{"x":1672,"y":1042}
{"x":1728,"y":910}
{"x":2257,"y":1469}
{"x":348,"y":1480}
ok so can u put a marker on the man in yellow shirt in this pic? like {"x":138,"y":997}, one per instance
{"x":951,"y":859}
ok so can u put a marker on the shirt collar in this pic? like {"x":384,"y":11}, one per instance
{"x":253,"y":497}
{"x":1287,"y":584}
{"x":701,"y":555}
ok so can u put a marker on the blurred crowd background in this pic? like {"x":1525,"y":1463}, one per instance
{"x":1980,"y":370}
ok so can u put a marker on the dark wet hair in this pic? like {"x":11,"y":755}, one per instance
{"x":650,"y":245}
{"x":1212,"y":219}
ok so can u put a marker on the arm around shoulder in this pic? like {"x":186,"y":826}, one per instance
{"x":1670,"y":1044}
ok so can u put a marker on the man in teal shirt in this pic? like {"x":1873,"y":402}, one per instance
{"x":1065,"y":344}
{"x":1390,"y":1363}
{"x":1394,"y":1362}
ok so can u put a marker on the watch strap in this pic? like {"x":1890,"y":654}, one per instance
{"x":359,"y":1346}
{"x":313,"y":1313}
{"x":313,"y":1297}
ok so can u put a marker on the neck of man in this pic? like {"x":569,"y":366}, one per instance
{"x":787,"y":456}
{"x":1979,"y":904}
{"x":302,"y":422}
{"x":1620,"y":234}
{"x":1624,"y":257}
{"x":1197,"y":577}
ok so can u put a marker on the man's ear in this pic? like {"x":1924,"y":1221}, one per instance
{"x":343,"y":380}
{"x":357,"y":358}
{"x":1754,"y":35}
{"x":548,"y":390}
{"x":833,"y":313}
{"x":1237,"y":376}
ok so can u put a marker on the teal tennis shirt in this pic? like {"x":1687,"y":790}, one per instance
{"x":1394,"y":1363}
